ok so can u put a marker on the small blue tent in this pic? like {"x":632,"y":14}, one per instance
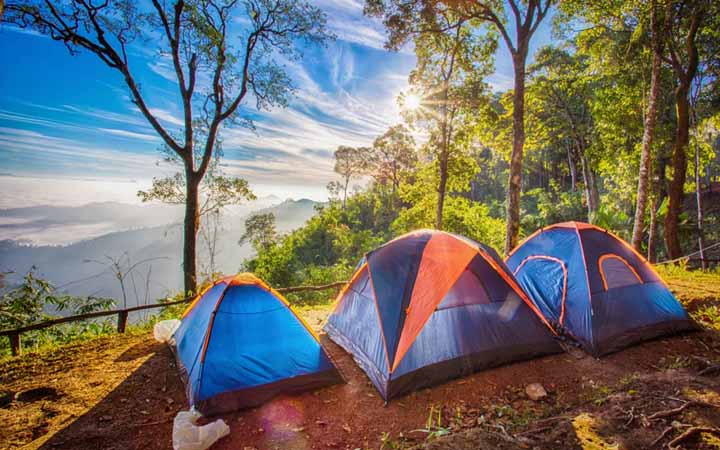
{"x":239,"y":344}
{"x":593,"y":287}
{"x":430,"y":306}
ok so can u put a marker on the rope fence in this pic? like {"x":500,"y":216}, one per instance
{"x":682,"y":258}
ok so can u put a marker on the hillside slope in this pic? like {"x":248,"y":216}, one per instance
{"x":81,"y":267}
{"x":123,"y":391}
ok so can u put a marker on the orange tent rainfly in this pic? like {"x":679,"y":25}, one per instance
{"x":431,"y":306}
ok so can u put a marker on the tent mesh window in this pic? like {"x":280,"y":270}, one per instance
{"x":616,"y":272}
{"x":467,"y":290}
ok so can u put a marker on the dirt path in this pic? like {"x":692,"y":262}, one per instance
{"x":122,"y":392}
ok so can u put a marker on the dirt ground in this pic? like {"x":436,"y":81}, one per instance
{"x":122,"y":392}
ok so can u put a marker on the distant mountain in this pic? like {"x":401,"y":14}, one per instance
{"x":81,"y":267}
{"x":66,"y":224}
{"x":61,"y":225}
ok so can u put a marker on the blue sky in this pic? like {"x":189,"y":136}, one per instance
{"x":68,"y":118}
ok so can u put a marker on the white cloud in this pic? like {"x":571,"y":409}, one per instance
{"x":28,"y":149}
{"x":131,"y":134}
{"x":166,"y":116}
{"x":499,"y":82}
{"x":346,"y":20}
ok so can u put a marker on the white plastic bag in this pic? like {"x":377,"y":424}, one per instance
{"x":188,"y":436}
{"x":163,"y":330}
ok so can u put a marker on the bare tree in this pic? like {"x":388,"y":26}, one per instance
{"x":122,"y":267}
{"x":214,"y":74}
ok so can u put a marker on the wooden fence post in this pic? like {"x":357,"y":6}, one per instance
{"x":14,"y":343}
{"x":122,"y":321}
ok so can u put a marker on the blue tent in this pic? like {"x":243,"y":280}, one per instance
{"x":239,"y":344}
{"x":593,"y":287}
{"x":430,"y":306}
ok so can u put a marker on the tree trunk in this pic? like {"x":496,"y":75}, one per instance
{"x":192,"y":222}
{"x":652,"y":232}
{"x":698,"y":196}
{"x":573,"y":169}
{"x":515,"y":178}
{"x":679,"y":165}
{"x":594,"y":194}
{"x":591,"y":191}
{"x":347,"y":182}
{"x":441,"y":189}
{"x":682,"y":133}
{"x":650,"y":117}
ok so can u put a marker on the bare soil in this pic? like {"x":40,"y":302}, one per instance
{"x":123,"y":391}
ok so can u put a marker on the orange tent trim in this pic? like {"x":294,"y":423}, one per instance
{"x":565,"y":278}
{"x":618,"y":257}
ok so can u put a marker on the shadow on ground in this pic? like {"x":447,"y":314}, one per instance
{"x":136,"y":414}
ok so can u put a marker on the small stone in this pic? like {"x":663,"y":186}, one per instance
{"x":535,"y":391}
{"x":322,"y":423}
{"x":105,"y":418}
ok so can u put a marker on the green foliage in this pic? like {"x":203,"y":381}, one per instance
{"x":434,"y":424}
{"x":328,"y":247}
{"x":29,"y":303}
{"x":217,"y":191}
{"x":460,"y":215}
{"x":543,"y":207}
{"x":391,"y":157}
{"x":260,"y":231}
{"x":36,"y":300}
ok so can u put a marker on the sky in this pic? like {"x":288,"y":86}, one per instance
{"x":69,"y":134}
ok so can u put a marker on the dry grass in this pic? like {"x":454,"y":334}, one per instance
{"x":121,"y":391}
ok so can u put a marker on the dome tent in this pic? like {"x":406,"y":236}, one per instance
{"x":240,"y":343}
{"x":595,"y":288}
{"x":430,"y":306}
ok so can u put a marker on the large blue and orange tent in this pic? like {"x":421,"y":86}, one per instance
{"x":595,"y":288}
{"x":430,"y":306}
{"x":240,"y":343}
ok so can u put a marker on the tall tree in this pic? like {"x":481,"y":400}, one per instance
{"x":392,"y":154}
{"x":260,"y":231}
{"x":683,"y":56}
{"x":214,"y":75}
{"x":560,"y":95}
{"x":403,"y":18}
{"x":349,"y":163}
{"x":448,"y":79}
{"x":658,"y":24}
{"x":214,"y":194}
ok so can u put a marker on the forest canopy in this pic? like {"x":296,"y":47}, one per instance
{"x":618,"y":112}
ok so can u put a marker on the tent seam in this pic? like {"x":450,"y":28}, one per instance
{"x":208,"y":335}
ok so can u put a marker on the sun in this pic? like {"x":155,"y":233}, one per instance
{"x":412,"y":101}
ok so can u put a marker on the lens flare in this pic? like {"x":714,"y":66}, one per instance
{"x":412,"y":101}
